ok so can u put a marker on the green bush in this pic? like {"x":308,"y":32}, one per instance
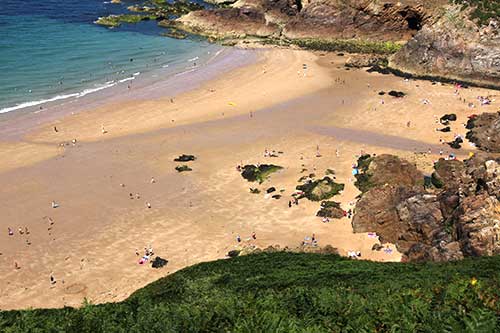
{"x":293,"y":292}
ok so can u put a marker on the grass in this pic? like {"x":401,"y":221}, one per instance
{"x":293,"y":292}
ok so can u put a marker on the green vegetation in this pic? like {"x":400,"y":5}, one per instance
{"x":259,"y":173}
{"x":117,"y":20}
{"x":481,"y":10}
{"x":349,"y":45}
{"x":182,"y":168}
{"x":320,"y":189}
{"x":363,"y":178}
{"x":293,"y":292}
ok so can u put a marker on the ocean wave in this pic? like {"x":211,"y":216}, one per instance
{"x":193,"y":59}
{"x":85,"y":92}
{"x":34,"y":103}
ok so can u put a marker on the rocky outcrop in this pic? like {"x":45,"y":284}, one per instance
{"x":485,"y":131}
{"x":326,"y":20}
{"x":458,"y":217}
{"x":386,"y":170}
{"x":380,"y":20}
{"x":229,"y":23}
{"x":454,"y":46}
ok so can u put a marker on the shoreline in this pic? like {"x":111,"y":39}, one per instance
{"x":14,"y":124}
{"x":195,"y":216}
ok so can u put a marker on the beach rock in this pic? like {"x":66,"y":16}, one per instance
{"x":330,"y":209}
{"x":485,"y":131}
{"x":445,"y":129}
{"x":185,"y":158}
{"x":271,"y":190}
{"x":456,"y":144}
{"x":397,"y":94}
{"x":183,"y":168}
{"x":386,"y":169}
{"x":321,"y":189}
{"x":376,"y":211}
{"x":448,"y":117}
{"x":159,"y":262}
{"x":233,"y":253}
{"x":454,"y":45}
{"x":253,"y":173}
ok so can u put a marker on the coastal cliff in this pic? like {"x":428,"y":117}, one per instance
{"x":455,"y":46}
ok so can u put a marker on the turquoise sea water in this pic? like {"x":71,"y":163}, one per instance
{"x":51,"y":50}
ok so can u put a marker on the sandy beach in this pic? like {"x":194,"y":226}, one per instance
{"x":103,"y":181}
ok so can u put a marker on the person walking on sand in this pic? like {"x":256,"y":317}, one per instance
{"x":254,"y":236}
{"x":52,"y":278}
{"x":238,"y":238}
{"x":11,"y":232}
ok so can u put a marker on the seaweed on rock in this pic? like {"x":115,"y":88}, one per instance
{"x":260,"y":173}
{"x":320,"y":189}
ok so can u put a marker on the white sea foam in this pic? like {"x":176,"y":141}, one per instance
{"x":193,"y":59}
{"x":85,"y":92}
{"x":34,"y":103}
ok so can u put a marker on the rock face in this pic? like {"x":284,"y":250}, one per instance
{"x":454,"y":46}
{"x":485,"y":131}
{"x":311,"y":19}
{"x":459,"y":217}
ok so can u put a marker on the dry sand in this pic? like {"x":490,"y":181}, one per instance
{"x":196,"y":216}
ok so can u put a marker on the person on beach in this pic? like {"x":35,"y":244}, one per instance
{"x":16,"y":265}
{"x":103,"y":130}
{"x":21,"y":231}
{"x":11,"y":232}
{"x":52,"y":279}
{"x":238,"y":238}
{"x":289,"y":204}
{"x":55,"y":129}
{"x":148,"y":204}
{"x":55,"y":204}
{"x":254,"y":236}
{"x":153,"y":180}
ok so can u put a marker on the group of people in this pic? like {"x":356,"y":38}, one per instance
{"x":148,"y":253}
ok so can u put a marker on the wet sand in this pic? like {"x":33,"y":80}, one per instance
{"x":195,"y":216}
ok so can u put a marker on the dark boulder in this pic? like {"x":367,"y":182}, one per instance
{"x":485,"y":131}
{"x":159,"y":262}
{"x":397,"y":94}
{"x":271,"y":190}
{"x":185,"y":158}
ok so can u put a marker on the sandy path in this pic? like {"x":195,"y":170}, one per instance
{"x":196,"y":216}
